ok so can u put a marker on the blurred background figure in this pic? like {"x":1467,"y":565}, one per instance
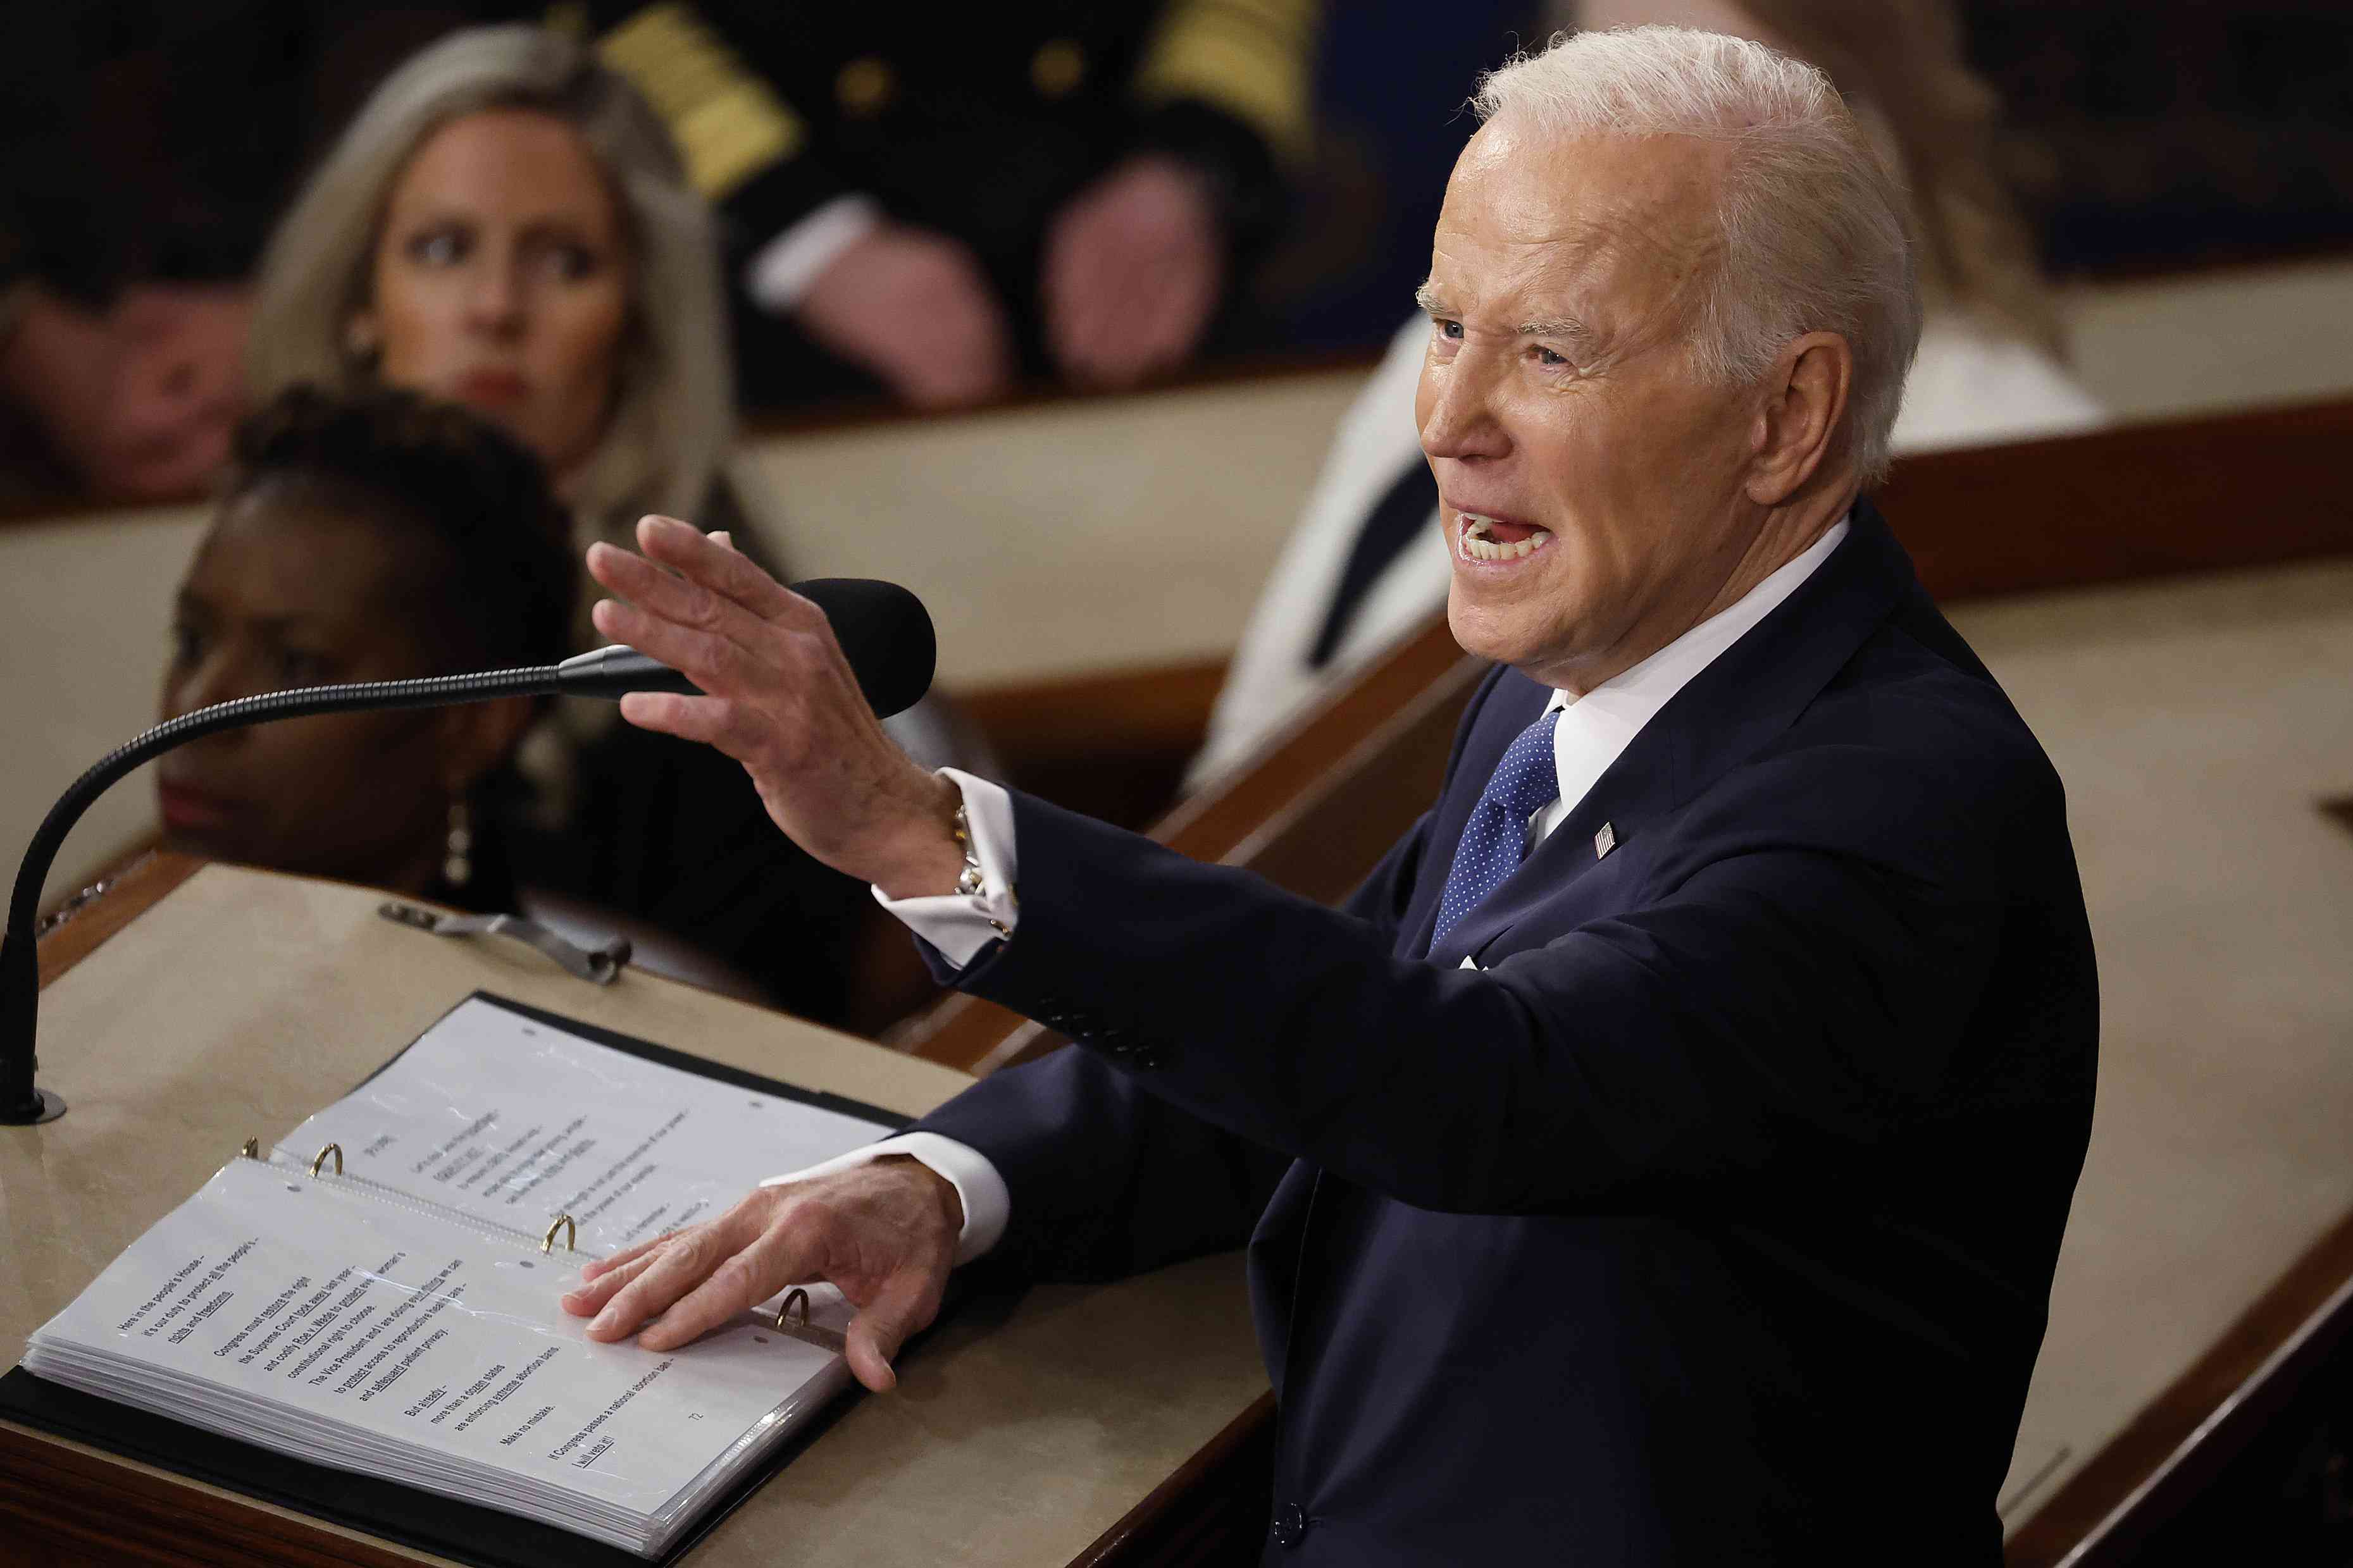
{"x":137,"y":176}
{"x":126,"y":397}
{"x":1053,"y":189}
{"x":939,"y":202}
{"x":506,"y":224}
{"x":1368,"y":561}
{"x":378,"y":537}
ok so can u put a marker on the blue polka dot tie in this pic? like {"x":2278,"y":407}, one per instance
{"x":1496,"y":837}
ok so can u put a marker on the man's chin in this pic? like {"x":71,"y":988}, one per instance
{"x":1498,"y":633}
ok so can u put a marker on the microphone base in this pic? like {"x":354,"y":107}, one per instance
{"x":43,"y":1107}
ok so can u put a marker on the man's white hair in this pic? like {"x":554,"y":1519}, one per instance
{"x":1811,"y":220}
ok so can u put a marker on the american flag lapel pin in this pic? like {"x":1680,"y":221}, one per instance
{"x":1604,"y":841}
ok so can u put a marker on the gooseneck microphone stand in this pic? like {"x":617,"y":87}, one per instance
{"x":607,"y":672}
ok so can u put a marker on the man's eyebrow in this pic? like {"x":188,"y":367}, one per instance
{"x":1563,"y":327}
{"x":1570,"y":327}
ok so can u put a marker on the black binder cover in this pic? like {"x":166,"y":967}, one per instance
{"x":466,"y":1532}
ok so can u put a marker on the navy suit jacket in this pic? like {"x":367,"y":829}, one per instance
{"x":1712,"y":1220}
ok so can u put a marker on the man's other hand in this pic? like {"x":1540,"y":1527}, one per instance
{"x":914,"y":309}
{"x":781,"y":700}
{"x":883,"y":1233}
{"x":1133,"y":268}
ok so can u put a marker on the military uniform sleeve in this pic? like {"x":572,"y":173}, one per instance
{"x":1225,"y":86}
{"x":747,"y":150}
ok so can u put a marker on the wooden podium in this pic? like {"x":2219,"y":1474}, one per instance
{"x":194,"y":1006}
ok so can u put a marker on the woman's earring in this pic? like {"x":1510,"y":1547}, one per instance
{"x":458,"y":866}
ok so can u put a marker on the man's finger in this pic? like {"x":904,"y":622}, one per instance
{"x":723,"y":570}
{"x":715,"y":662}
{"x":775,"y":1258}
{"x":714,"y":721}
{"x":589,"y":1298}
{"x":597,"y":1265}
{"x":909,"y":1299}
{"x":677,"y":1269}
{"x":667,"y":1276}
{"x":673,"y":600}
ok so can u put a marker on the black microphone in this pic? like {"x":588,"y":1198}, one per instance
{"x":885,"y":632}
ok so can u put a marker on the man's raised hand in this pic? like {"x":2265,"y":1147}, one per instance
{"x":883,"y":1233}
{"x":781,"y":700}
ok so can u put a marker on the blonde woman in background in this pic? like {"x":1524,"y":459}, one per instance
{"x":506,"y":224}
{"x":1367,"y":563}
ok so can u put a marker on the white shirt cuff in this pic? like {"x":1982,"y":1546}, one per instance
{"x":961,"y":924}
{"x":786,"y":268}
{"x":986,"y":1204}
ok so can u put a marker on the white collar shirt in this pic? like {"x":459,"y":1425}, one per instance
{"x":1595,"y":729}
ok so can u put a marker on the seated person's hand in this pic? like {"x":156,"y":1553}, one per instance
{"x":780,"y":699}
{"x":915,"y":310}
{"x":1133,"y":268}
{"x":140,"y":400}
{"x":884,"y":1233}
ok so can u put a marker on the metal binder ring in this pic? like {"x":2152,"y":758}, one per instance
{"x":562,"y":1222}
{"x":334,"y":1149}
{"x":798,"y":1326}
{"x":252,"y":1150}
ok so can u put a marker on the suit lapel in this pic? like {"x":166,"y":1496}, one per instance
{"x":1752,"y":692}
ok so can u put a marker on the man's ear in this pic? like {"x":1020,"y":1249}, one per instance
{"x":476,"y":736}
{"x":1803,"y":419}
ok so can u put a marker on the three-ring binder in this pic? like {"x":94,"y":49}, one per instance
{"x":804,"y":1330}
{"x":797,"y":1300}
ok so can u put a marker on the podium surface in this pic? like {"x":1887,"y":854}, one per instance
{"x":1024,"y":1430}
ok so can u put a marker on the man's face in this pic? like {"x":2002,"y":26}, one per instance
{"x":1590,"y":483}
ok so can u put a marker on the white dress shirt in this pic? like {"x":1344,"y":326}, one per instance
{"x":1594,"y":731}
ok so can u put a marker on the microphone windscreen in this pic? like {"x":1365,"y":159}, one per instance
{"x":885,"y":632}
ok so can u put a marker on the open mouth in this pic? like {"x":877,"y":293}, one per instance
{"x":1478,"y":538}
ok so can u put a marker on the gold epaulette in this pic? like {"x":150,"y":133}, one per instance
{"x":1249,"y":57}
{"x":729,"y":124}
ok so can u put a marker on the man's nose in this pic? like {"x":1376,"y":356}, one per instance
{"x":1462,"y":422}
